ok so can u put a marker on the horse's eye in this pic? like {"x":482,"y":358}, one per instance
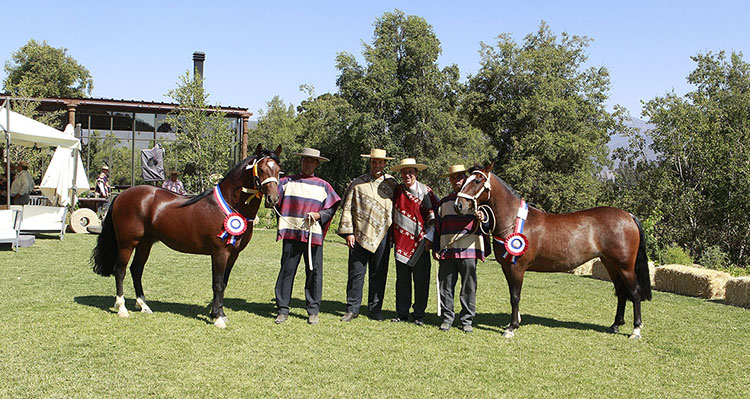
{"x":476,"y":181}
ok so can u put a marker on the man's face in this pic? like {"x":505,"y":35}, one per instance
{"x":376,"y":166}
{"x":409,"y":176}
{"x":309,"y":165}
{"x":173,"y":176}
{"x":457,"y":180}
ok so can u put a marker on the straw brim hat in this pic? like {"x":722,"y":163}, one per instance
{"x":454,"y":169}
{"x":311,"y":153}
{"x":376,"y":153}
{"x":22,"y":163}
{"x":174,"y":172}
{"x":105,"y":167}
{"x":408,"y":163}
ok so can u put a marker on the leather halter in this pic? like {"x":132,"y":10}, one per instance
{"x":486,"y":186}
{"x":257,"y":184}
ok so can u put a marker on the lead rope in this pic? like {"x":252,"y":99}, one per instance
{"x":309,"y":220}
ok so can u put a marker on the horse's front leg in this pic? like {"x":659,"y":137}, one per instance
{"x":514,"y":276}
{"x":219,"y":263}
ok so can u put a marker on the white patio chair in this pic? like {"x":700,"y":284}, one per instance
{"x":10,"y":227}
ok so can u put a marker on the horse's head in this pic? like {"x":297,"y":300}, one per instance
{"x":476,"y":189}
{"x":265,"y":174}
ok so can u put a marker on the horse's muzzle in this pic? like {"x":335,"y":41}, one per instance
{"x":461,"y":206}
{"x":272,"y":196}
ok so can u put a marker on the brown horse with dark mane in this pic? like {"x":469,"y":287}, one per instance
{"x":218,"y":222}
{"x":525,"y":238}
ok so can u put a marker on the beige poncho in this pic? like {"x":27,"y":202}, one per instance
{"x":367,"y":209}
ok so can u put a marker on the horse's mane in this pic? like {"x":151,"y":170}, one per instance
{"x":503,"y":182}
{"x":235,"y":170}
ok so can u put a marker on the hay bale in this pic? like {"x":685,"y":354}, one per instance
{"x":584,"y":269}
{"x":598,"y":271}
{"x":692,"y":281}
{"x":651,"y":272}
{"x":738,"y":292}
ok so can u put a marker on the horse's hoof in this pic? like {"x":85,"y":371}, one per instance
{"x":140,"y":303}
{"x":146,"y":310}
{"x":634,"y":336}
{"x":221,"y":322}
{"x":613,"y":330}
{"x":508,"y":334}
{"x":123,"y":312}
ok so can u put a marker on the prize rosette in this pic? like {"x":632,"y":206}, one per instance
{"x":516,"y":244}
{"x":234,"y":224}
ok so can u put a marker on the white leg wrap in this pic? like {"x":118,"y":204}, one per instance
{"x":636,"y":333}
{"x":122,"y":311}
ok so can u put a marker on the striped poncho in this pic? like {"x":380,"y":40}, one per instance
{"x":300,"y":195}
{"x":367,"y":210}
{"x":413,"y":219}
{"x":455,"y":231}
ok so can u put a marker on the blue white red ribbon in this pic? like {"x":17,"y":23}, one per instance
{"x":516,"y":243}
{"x":234,"y":223}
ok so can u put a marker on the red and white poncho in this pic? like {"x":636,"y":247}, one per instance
{"x":413,"y":218}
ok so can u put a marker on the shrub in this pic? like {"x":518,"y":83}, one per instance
{"x":674,"y":255}
{"x":714,"y":258}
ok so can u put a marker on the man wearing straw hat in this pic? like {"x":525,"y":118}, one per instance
{"x":102,"y":183}
{"x":365,"y":219}
{"x":22,"y":184}
{"x":174,"y":184}
{"x":414,"y":207}
{"x":461,"y":244}
{"x":306,"y":206}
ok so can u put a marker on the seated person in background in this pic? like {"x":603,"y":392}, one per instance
{"x":173,"y":184}
{"x":102,"y":183}
{"x":22,"y":184}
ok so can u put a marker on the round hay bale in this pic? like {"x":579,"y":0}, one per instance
{"x":82,"y":218}
{"x":738,"y":292}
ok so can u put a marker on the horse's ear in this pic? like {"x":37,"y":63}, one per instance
{"x":258,"y":149}
{"x":488,"y":168}
{"x":278,"y":150}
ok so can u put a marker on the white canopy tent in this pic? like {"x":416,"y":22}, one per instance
{"x":57,"y":183}
{"x":22,"y":130}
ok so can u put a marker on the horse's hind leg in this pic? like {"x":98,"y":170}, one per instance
{"x":123,"y":256}
{"x":136,"y":271}
{"x":626,"y":287}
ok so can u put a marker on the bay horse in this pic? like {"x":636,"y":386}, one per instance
{"x":218,"y":222}
{"x":560,"y":242}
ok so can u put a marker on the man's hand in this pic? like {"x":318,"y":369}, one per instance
{"x":314,"y":215}
{"x":427,"y":244}
{"x":350,"y":241}
{"x":436,"y":255}
{"x":479,"y":216}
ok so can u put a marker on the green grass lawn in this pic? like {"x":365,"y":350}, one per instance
{"x":60,"y":338}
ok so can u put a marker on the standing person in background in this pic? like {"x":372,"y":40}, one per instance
{"x":22,"y":184}
{"x":461,"y":245}
{"x":303,"y":199}
{"x":365,"y":220}
{"x":102,"y":183}
{"x":174,"y":184}
{"x":414,"y":217}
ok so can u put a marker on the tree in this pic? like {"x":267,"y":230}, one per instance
{"x":278,"y":125}
{"x":204,"y":138}
{"x":701,"y":176}
{"x":400,"y":100}
{"x":40,"y":70}
{"x":546,"y":115}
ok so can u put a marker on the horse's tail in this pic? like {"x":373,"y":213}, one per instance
{"x":104,"y":255}
{"x":641,"y":265}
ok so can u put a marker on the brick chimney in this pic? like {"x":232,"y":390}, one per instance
{"x":198,"y":58}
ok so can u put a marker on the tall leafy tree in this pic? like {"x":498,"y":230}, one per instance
{"x":204,"y":138}
{"x":702,"y":170}
{"x":402,"y":101}
{"x":545,"y":113}
{"x":40,"y":70}
{"x":278,"y":125}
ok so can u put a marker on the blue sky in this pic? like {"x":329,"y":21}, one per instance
{"x":254,"y":50}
